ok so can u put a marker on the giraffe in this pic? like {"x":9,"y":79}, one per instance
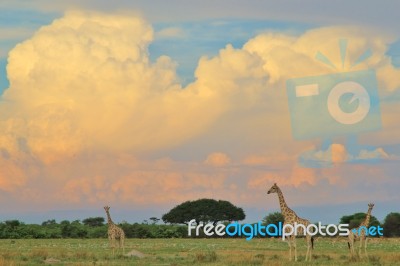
{"x":363,"y":239}
{"x":114,"y":232}
{"x":290,"y":217}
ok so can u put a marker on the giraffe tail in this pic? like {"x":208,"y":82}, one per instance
{"x":312,"y":242}
{"x":348,"y":244}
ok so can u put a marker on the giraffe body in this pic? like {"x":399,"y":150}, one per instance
{"x":115,"y":233}
{"x":362,"y":236}
{"x":290,"y":217}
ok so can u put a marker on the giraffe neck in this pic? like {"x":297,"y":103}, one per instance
{"x":367,"y":218}
{"x":109,"y":220}
{"x":284,"y":208}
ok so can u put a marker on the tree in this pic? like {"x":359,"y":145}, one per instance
{"x":73,"y":230}
{"x":391,"y":225}
{"x":49,"y":222}
{"x":204,"y":210}
{"x":273,"y":218}
{"x":12,"y":223}
{"x":93,"y":221}
{"x":154,"y":220}
{"x":355,"y":220}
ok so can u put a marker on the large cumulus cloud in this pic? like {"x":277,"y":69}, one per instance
{"x":86,"y":111}
{"x":86,"y":81}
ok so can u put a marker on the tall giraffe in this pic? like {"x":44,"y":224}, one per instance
{"x":114,"y":232}
{"x":362,"y":236}
{"x":290,"y":217}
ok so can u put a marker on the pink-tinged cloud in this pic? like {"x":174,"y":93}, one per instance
{"x":11,"y":175}
{"x":89,"y":119}
{"x":217,"y":159}
{"x":275,"y":158}
{"x":295,"y":176}
{"x":337,"y":154}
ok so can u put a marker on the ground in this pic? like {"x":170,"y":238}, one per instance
{"x":328,"y":251}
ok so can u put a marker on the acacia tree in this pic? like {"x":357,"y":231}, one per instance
{"x":204,"y":210}
{"x":94,"y":221}
{"x":154,"y":220}
{"x":355,"y":220}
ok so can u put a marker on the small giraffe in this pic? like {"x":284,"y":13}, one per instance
{"x":114,"y":232}
{"x":363,"y":239}
{"x":290,"y":217}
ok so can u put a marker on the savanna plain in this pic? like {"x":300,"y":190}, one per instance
{"x":328,"y":251}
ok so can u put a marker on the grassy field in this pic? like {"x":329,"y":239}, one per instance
{"x":327,"y":251}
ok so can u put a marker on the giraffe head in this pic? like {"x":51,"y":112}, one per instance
{"x":370,"y":206}
{"x":273,"y":189}
{"x":107,"y":208}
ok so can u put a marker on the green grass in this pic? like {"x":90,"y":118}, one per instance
{"x":327,"y":251}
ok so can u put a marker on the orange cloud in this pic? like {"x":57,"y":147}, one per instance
{"x":217,"y":159}
{"x":11,"y":175}
{"x":274,"y":158}
{"x":339,"y":154}
{"x":294,"y":176}
{"x":144,"y":187}
{"x":86,"y":105}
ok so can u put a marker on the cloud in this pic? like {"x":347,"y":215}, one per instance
{"x":88,"y":115}
{"x":277,"y":158}
{"x":337,"y":153}
{"x":86,"y":81}
{"x":294,"y":176}
{"x":11,"y":176}
{"x":217,"y":159}
{"x":170,"y":33}
{"x":11,"y":35}
{"x":126,"y":180}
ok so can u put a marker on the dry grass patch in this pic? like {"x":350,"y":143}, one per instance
{"x":39,"y":253}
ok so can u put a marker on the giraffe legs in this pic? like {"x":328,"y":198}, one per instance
{"x":121,"y":244}
{"x":295,"y":248}
{"x":351,"y":244}
{"x":363,"y":241}
{"x":292,"y":244}
{"x":351,"y":247}
{"x":290,"y":247}
{"x":309,"y":248}
{"x":112,"y":243}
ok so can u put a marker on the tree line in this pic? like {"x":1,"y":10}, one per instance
{"x":175,"y":223}
{"x":93,"y":227}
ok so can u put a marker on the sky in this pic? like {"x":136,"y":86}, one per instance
{"x":142,"y":105}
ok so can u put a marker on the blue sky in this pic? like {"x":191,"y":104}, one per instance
{"x":206,"y":38}
{"x":229,"y":135}
{"x":205,"y":31}
{"x":195,"y":39}
{"x":16,"y":26}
